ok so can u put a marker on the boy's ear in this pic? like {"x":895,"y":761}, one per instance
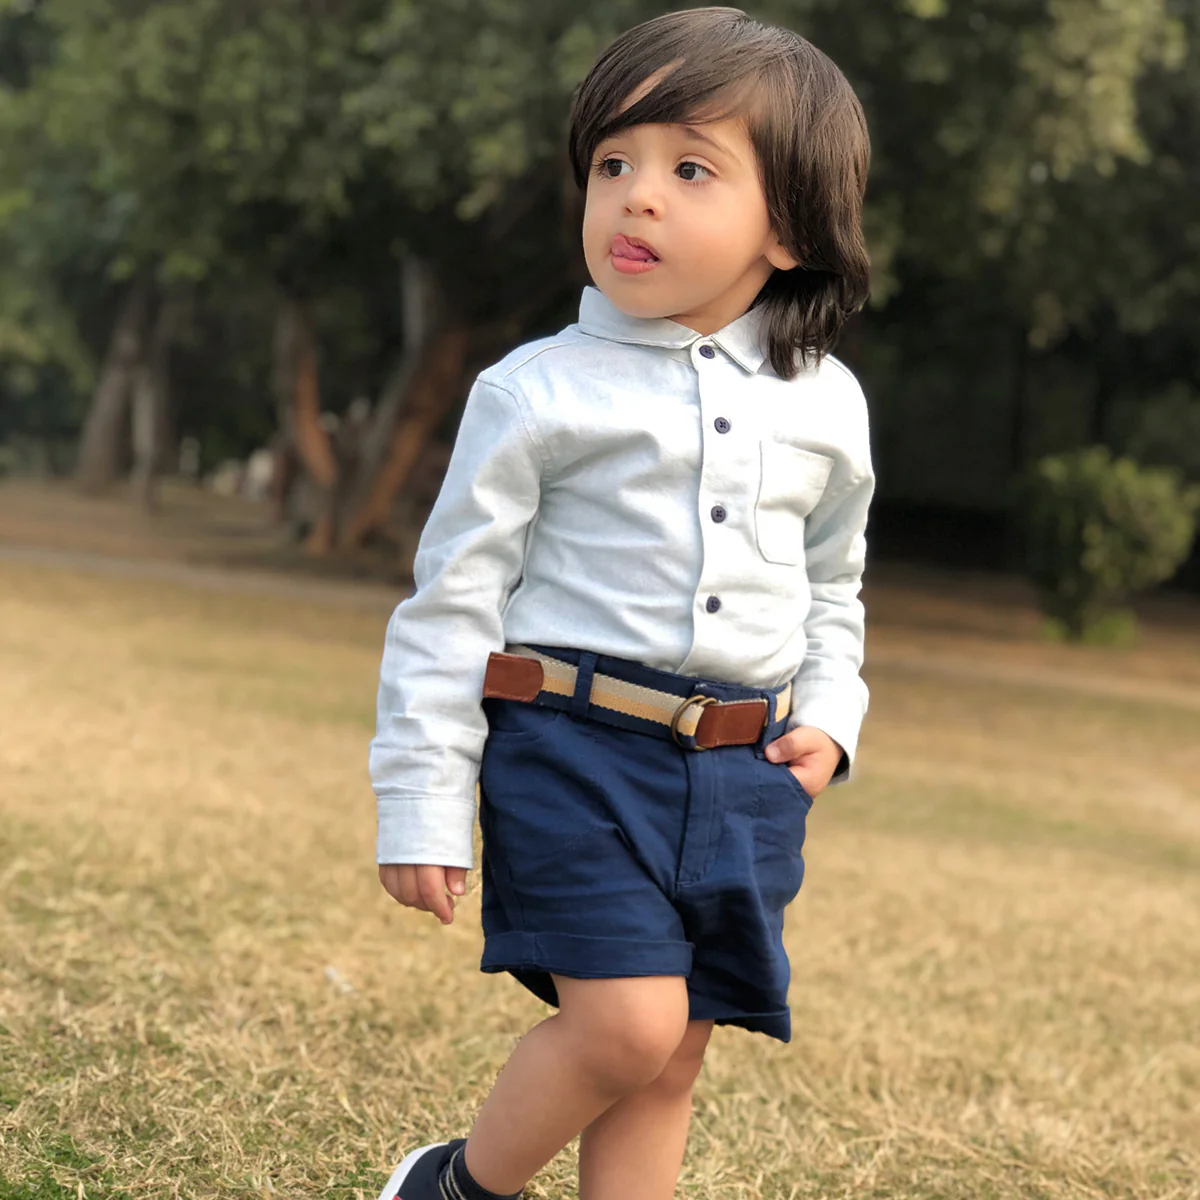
{"x":779,"y":258}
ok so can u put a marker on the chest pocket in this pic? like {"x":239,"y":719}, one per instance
{"x":790,"y":485}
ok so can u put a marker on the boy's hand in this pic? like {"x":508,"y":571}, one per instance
{"x":811,"y":755}
{"x":424,"y":887}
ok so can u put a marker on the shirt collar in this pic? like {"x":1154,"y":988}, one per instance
{"x":740,"y":339}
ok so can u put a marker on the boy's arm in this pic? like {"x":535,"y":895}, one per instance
{"x":828,"y":692}
{"x":430,"y":725}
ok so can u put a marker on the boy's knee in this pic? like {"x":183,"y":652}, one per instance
{"x":683,"y":1067}
{"x":625,"y":1037}
{"x":629,"y":1056}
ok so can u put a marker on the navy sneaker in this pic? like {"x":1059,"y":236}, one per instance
{"x":416,"y":1178}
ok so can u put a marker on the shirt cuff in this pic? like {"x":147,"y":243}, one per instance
{"x":433,"y":831}
{"x":833,"y":713}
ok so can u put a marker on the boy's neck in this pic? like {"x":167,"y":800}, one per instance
{"x":734,"y":302}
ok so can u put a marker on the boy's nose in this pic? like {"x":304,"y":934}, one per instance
{"x":643,"y":198}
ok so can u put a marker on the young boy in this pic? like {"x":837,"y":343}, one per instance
{"x":636,"y":622}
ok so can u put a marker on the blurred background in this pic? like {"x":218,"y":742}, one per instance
{"x":269,"y":245}
{"x":252,"y":255}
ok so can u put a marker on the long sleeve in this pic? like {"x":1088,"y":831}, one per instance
{"x":430,"y":727}
{"x":829,"y":693}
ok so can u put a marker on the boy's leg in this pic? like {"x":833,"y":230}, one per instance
{"x":634,"y":1150}
{"x":610,"y":1037}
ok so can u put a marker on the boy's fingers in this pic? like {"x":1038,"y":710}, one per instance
{"x":406,"y":890}
{"x":424,"y":887}
{"x":433,"y":893}
{"x":798,"y":742}
{"x":391,"y":876}
{"x":808,"y":781}
{"x":784,"y":749}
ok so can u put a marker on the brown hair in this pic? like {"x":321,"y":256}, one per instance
{"x":808,"y":132}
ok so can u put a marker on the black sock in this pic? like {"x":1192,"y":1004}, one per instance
{"x":456,"y":1183}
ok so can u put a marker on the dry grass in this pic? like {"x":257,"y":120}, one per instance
{"x":191,"y":525}
{"x":204,"y":992}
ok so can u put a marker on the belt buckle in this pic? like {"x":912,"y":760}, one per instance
{"x":703,"y":702}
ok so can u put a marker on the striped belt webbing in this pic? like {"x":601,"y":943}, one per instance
{"x":633,"y":699}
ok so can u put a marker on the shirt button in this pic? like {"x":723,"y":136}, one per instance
{"x":722,"y":425}
{"x":713,"y":603}
{"x":707,"y":351}
{"x":718,"y":513}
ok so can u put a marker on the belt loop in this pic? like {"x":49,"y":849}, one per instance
{"x":582,"y":698}
{"x":765,"y":738}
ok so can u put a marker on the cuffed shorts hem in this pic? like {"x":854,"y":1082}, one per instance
{"x":531,"y":958}
{"x":777,"y":1025}
{"x":526,"y":955}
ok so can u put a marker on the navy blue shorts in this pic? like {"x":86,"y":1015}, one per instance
{"x":610,"y":853}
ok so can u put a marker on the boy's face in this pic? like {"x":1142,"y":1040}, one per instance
{"x":675,"y":223}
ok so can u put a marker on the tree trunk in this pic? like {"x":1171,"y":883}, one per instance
{"x":283,"y":446}
{"x":298,"y":398}
{"x":106,"y":428}
{"x":384,"y":466}
{"x":1018,"y":431}
{"x":1104,"y":392}
{"x":423,"y":388}
{"x":434,"y":386}
{"x":356,"y":479}
{"x":285,"y":467}
{"x":151,"y":401}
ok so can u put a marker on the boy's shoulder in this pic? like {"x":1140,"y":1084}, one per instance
{"x":827,"y":386}
{"x":538,"y":359}
{"x":835,"y":365}
{"x":833,"y":374}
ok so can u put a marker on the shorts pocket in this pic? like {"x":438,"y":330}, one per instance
{"x":791,"y":482}
{"x":783,"y":809}
{"x":533,"y":811}
{"x":800,"y":789}
{"x":780,"y":830}
{"x":518,"y":720}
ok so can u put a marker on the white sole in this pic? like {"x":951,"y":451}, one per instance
{"x":401,"y":1172}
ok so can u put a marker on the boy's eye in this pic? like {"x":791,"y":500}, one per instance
{"x":612,"y":167}
{"x":692,"y":172}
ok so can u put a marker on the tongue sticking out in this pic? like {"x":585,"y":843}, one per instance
{"x":622,"y":247}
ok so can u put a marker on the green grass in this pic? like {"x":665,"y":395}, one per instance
{"x":57,"y":1174}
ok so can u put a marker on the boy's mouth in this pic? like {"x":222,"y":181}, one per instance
{"x":632,"y":256}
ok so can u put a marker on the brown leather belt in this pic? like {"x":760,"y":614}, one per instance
{"x":694,"y":721}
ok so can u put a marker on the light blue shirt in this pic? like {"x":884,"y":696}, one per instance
{"x":635,"y":488}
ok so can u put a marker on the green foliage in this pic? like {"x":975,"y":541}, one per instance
{"x":1117,"y":628}
{"x":470,"y":95}
{"x":202,"y":111}
{"x":1167,"y":432}
{"x":1099,"y":529}
{"x":994,"y":125}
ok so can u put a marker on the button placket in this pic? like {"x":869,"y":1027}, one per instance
{"x":720,"y":471}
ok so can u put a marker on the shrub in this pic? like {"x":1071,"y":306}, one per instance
{"x":1097,"y":530}
{"x":1166,"y":432}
